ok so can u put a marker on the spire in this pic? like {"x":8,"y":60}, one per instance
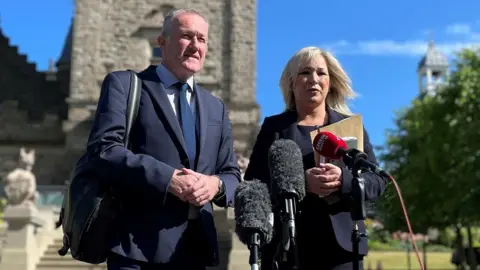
{"x":51,"y":65}
{"x":431,"y":44}
{"x":433,"y":58}
{"x":51,"y":74}
{"x":431,"y":40}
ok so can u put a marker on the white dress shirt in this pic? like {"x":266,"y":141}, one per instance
{"x":169,"y":80}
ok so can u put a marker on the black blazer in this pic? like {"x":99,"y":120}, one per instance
{"x":284,"y":126}
{"x":153,"y":220}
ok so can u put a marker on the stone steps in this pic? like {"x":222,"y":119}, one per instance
{"x":70,"y":265}
{"x":51,"y":260}
{"x":238,"y":257}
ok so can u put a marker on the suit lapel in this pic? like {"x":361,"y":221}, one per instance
{"x":333,"y":116}
{"x":289,"y":124}
{"x":159,"y":96}
{"x":203,"y":115}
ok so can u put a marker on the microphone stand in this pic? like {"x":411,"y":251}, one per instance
{"x":358,"y":211}
{"x":254,"y":246}
{"x":288,"y":243}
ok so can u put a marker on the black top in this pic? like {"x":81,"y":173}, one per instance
{"x":313,"y":225}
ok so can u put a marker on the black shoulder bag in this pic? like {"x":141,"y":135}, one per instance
{"x":90,"y":209}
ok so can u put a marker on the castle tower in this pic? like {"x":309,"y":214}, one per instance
{"x":432,"y":70}
{"x":109,"y":37}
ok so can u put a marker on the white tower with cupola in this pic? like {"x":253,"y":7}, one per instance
{"x":432,"y":70}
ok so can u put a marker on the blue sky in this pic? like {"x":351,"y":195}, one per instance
{"x":378,"y":44}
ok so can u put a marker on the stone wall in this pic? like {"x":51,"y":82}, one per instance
{"x":19,"y":128}
{"x":18,"y":77}
{"x":111,"y":37}
{"x":28,"y":100}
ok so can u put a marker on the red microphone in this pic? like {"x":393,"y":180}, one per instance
{"x":328,"y":145}
{"x":333,"y":147}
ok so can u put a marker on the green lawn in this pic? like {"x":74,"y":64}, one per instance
{"x":398,"y":260}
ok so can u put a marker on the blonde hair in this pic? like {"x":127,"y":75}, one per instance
{"x":340,"y":84}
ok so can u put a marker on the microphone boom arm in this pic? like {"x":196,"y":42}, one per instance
{"x":355,"y":161}
{"x":358,"y":159}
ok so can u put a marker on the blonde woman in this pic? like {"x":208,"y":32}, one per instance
{"x":315,"y":88}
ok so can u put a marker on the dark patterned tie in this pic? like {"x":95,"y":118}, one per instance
{"x":187,"y":121}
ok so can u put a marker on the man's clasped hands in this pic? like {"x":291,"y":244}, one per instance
{"x":193,"y":187}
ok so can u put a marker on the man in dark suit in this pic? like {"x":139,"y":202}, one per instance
{"x":181,"y":158}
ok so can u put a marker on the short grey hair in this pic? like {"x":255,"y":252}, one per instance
{"x":168,"y":21}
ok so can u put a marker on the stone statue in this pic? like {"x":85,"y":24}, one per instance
{"x":20,"y":184}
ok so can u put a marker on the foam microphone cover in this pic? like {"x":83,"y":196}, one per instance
{"x":286,"y":169}
{"x":253,"y":211}
{"x":327,"y":145}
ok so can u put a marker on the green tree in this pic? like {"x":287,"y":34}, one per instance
{"x":434,"y":154}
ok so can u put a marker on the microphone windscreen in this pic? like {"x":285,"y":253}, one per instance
{"x":327,"y":144}
{"x":253,"y":211}
{"x":286,"y":169}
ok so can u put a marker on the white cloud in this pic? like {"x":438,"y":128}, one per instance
{"x":463,"y":30}
{"x":459,"y":29}
{"x":393,"y":47}
{"x":464,"y":37}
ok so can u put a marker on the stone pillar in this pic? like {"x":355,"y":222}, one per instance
{"x":234,"y":254}
{"x":224,"y":237}
{"x":242,"y":103}
{"x":20,"y":251}
{"x":239,"y":253}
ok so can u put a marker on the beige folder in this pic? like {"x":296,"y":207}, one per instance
{"x":351,"y":130}
{"x":348,"y":128}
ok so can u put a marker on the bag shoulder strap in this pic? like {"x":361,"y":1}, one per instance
{"x":134,"y":93}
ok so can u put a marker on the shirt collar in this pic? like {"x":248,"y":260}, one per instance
{"x":168,"y":79}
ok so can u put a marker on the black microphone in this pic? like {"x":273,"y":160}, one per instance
{"x":287,"y":185}
{"x":253,"y":217}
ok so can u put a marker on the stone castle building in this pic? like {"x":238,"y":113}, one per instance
{"x":51,"y":111}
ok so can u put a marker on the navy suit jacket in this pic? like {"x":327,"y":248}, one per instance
{"x":284,"y":126}
{"x":153,"y":220}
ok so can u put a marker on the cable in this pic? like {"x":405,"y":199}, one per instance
{"x":405,"y":214}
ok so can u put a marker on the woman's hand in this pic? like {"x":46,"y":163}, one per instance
{"x":324,"y":179}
